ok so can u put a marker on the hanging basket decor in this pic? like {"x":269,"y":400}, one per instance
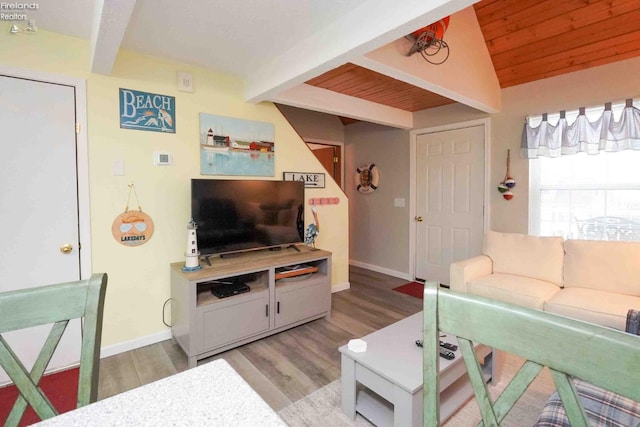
{"x":507,"y":183}
{"x":367,"y":178}
{"x":429,"y":42}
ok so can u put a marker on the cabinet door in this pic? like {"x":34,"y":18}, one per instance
{"x":222,"y":324}
{"x":299,"y":301}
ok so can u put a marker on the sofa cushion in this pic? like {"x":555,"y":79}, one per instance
{"x":463,"y":271}
{"x":594,"y":306}
{"x":524,"y":255}
{"x":602,"y":407}
{"x":520,"y":290}
{"x":605,"y":265}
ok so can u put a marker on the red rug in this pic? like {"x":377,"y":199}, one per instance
{"x":60,"y":388}
{"x":415,"y":289}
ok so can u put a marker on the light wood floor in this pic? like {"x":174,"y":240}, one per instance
{"x":285,"y":367}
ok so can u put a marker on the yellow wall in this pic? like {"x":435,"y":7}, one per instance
{"x":139,"y":276}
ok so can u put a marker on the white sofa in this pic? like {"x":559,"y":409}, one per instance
{"x":594,"y":281}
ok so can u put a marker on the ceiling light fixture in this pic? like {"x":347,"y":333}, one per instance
{"x":29,"y":28}
{"x":429,"y":42}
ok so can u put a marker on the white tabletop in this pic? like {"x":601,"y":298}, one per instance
{"x":212,"y":394}
{"x":393,"y":354}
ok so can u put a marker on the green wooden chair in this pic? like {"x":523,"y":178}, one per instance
{"x":54,"y":304}
{"x":601,"y":356}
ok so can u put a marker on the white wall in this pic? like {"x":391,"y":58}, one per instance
{"x":595,"y":86}
{"x":312,"y":125}
{"x":467,"y":75}
{"x":378,"y":231}
{"x":452,"y":113}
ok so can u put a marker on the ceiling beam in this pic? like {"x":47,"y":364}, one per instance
{"x":326,"y":101}
{"x":367,"y":27}
{"x":110,"y":21}
{"x":467,"y":76}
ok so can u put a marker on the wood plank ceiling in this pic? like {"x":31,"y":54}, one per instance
{"x":528,"y":40}
{"x":352,"y":80}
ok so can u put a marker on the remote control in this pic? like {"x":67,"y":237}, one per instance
{"x":447,"y":354}
{"x":444,"y":352}
{"x":448,"y":346}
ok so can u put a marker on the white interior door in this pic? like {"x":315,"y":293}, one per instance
{"x":39,"y":209}
{"x":449,"y":200}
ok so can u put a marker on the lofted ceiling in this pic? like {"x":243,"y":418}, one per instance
{"x":532,"y":40}
{"x":353,"y":80}
{"x":527,"y":40}
{"x":349,"y":57}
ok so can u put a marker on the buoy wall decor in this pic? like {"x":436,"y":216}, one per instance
{"x":507,"y":183}
{"x":510,"y":182}
{"x":367,"y":178}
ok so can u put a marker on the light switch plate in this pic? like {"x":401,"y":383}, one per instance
{"x":118,"y":167}
{"x":398,"y":202}
{"x":185,"y":81}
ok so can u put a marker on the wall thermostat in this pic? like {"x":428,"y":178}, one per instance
{"x":161,"y":158}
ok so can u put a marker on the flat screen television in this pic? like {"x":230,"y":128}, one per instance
{"x":243,"y":215}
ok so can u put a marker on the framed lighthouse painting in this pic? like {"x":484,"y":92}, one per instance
{"x":231,"y":146}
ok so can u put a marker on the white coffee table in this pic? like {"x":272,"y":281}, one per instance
{"x":392,"y":368}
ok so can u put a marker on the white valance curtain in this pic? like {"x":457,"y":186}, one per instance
{"x":591,"y":137}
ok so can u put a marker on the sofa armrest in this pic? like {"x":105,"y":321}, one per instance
{"x":462,"y":272}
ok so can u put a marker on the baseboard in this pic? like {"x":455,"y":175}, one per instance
{"x":114,"y":349}
{"x":378,"y":269}
{"x":340,"y":287}
{"x":146,"y":340}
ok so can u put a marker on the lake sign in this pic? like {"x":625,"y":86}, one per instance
{"x":311,"y":180}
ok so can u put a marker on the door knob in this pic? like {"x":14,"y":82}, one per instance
{"x":66,"y":248}
{"x":419,"y":218}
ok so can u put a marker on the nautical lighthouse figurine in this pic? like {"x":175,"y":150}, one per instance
{"x":192,"y":262}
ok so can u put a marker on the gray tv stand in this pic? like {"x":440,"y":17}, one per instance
{"x":204,"y":325}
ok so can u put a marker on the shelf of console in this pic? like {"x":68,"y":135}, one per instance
{"x":204,"y":325}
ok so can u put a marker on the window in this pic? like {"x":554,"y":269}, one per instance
{"x":583,"y":196}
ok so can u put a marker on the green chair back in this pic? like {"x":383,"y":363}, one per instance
{"x":57,"y":305}
{"x":570,"y":348}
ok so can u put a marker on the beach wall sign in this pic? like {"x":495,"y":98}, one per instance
{"x":147,"y":111}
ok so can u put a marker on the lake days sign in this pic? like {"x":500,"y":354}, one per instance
{"x":147,"y":111}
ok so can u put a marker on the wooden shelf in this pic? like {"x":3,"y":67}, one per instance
{"x":250,"y":262}
{"x":206,"y":297}
{"x":296,"y":273}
